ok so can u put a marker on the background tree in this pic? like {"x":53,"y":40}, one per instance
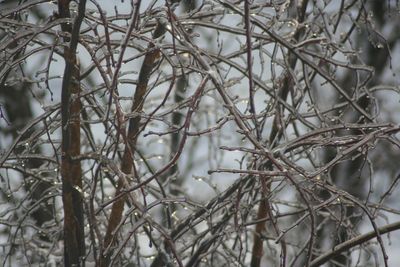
{"x":199,"y":133}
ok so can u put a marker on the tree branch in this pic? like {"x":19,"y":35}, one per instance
{"x":345,"y":246}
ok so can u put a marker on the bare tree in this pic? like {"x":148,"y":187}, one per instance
{"x":199,"y":133}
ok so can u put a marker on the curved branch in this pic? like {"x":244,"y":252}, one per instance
{"x":345,"y":246}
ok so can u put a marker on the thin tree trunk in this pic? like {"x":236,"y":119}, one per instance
{"x":276,"y":133}
{"x":71,"y":172}
{"x":133,"y":132}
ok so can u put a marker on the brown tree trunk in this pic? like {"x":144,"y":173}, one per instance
{"x":131,"y":138}
{"x":71,"y":172}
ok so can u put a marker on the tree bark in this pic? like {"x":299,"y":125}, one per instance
{"x":71,"y":172}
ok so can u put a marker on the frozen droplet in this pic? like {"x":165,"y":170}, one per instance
{"x":198,"y":178}
{"x":77,"y":188}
